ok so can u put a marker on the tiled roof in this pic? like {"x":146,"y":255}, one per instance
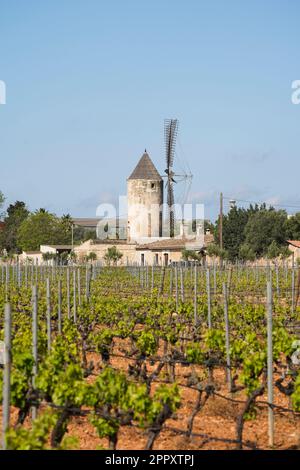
{"x":86,"y":222}
{"x":170,"y":244}
{"x":108,"y":241}
{"x":93,"y":222}
{"x":295,"y":243}
{"x":145,"y":170}
{"x":60,"y":247}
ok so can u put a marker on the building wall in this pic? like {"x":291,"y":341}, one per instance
{"x":145,"y":199}
{"x":35,"y":258}
{"x":100,"y":249}
{"x":158,"y":256}
{"x":130,"y":253}
{"x":47,"y":249}
{"x":295,"y":251}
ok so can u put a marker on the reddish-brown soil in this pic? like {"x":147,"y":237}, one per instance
{"x":217,"y":420}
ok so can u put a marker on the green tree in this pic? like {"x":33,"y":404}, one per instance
{"x":48,"y":256}
{"x":277,"y":251}
{"x":293,"y":227}
{"x":65,"y":229}
{"x":91,"y":256}
{"x":214,"y":250}
{"x":264,"y":227}
{"x":246,"y":253}
{"x":273,"y":250}
{"x":233,"y":231}
{"x":16,"y":214}
{"x":190,"y":255}
{"x":234,"y":225}
{"x":82,"y":234}
{"x":105,"y":228}
{"x":112,"y":255}
{"x":39,"y":228}
{"x":208,"y":225}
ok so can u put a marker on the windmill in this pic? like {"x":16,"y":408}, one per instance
{"x":171,"y":131}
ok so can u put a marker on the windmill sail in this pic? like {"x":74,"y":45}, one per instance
{"x":171,"y":130}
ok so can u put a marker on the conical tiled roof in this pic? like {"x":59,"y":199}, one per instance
{"x":145,"y":170}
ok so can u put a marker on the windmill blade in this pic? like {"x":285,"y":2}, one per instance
{"x":171,"y":130}
{"x":170,"y":202}
{"x":170,"y":196}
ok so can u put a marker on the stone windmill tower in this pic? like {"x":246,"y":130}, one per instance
{"x":145,"y":200}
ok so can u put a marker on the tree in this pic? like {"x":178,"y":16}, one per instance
{"x":208,"y":225}
{"x":293,"y":227}
{"x":112,"y":255}
{"x":105,"y":228}
{"x":276,"y":251}
{"x":71,"y":256}
{"x":91,"y":256}
{"x":190,"y":254}
{"x":39,"y":228}
{"x":234,"y":226}
{"x":214,"y":250}
{"x":65,"y":229}
{"x":273,"y":250}
{"x":285,"y":252}
{"x":233,"y":231}
{"x":264,"y":227}
{"x":82,"y":234}
{"x":49,"y":256}
{"x":246,"y":253}
{"x":16,"y":214}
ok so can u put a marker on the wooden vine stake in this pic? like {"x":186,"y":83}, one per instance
{"x":48,"y":314}
{"x":181,"y":284}
{"x":6,"y":373}
{"x":227,"y":339}
{"x":270,"y":364}
{"x":208,"y":298}
{"x":68,"y":293}
{"x":74,"y":297}
{"x":59,"y":305}
{"x":34,"y":342}
{"x":293,"y":289}
{"x":195,"y":296}
{"x":176,"y":287}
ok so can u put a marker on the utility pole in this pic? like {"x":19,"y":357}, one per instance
{"x":221,"y":222}
{"x":221,"y":228}
{"x":72,"y":230}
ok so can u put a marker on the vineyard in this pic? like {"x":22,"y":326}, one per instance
{"x":184,"y":357}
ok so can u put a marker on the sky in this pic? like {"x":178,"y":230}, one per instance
{"x":90,"y":82}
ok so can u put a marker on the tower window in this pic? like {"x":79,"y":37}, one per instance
{"x":152,"y":185}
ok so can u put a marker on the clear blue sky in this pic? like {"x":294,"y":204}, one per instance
{"x":89,"y":84}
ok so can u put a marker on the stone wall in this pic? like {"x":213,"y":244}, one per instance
{"x":145,"y":199}
{"x":100,"y":249}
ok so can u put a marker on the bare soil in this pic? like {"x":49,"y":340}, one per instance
{"x":216,"y":420}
